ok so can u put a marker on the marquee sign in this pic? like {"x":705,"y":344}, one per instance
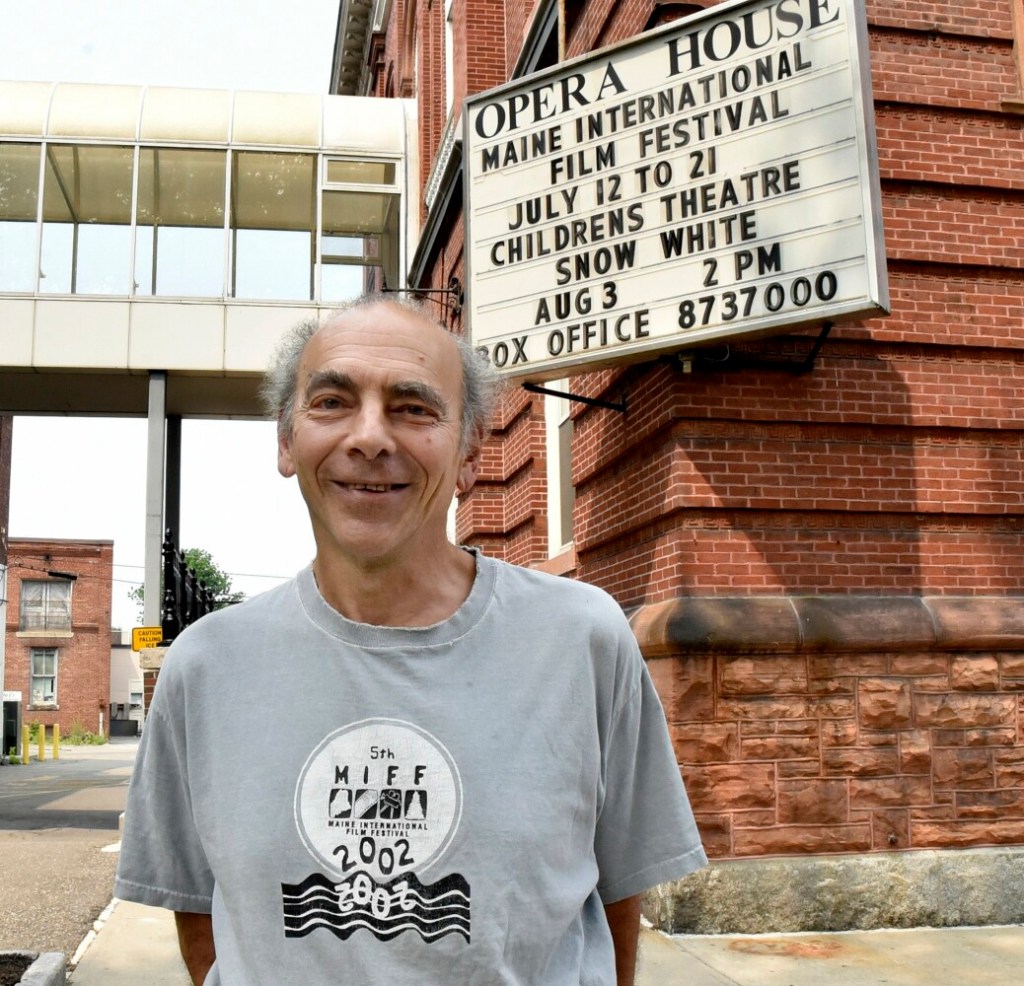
{"x":716,"y":178}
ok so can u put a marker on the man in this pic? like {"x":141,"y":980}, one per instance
{"x":412,"y":764}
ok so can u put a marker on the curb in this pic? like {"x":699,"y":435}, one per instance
{"x":97,"y":927}
{"x":46,"y":969}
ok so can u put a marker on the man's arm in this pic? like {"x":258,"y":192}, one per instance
{"x":195,"y":939}
{"x":624,"y":921}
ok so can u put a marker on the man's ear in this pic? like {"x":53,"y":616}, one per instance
{"x":285,"y":463}
{"x":468,"y":471}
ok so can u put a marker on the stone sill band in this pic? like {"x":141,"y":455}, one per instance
{"x":830,"y":624}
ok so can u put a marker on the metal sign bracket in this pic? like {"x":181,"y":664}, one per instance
{"x":691,"y":360}
{"x":534,"y":388}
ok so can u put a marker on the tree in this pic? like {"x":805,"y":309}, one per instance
{"x":208,"y":572}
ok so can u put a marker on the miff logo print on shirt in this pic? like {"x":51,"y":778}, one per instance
{"x":377,"y":804}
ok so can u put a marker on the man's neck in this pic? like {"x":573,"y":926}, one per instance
{"x":397,"y":595}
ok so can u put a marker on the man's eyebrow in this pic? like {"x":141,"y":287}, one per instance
{"x":335,"y":379}
{"x":416,"y":389}
{"x":430,"y":396}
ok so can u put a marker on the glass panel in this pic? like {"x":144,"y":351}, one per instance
{"x":361,"y":172}
{"x":103,"y":252}
{"x":367,"y":217}
{"x":87,"y":195}
{"x":179,"y":244}
{"x":353,"y":248}
{"x":44,"y":660}
{"x":45,"y":606}
{"x":273,"y":214}
{"x":357,"y":212}
{"x":342,"y":282}
{"x":19,"y":196}
{"x":43,"y":686}
{"x":56,"y":260}
{"x":273,"y":264}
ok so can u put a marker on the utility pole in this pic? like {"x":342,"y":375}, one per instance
{"x":6,"y":432}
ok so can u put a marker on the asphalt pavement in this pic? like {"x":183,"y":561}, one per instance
{"x":58,"y":829}
{"x":129,"y":943}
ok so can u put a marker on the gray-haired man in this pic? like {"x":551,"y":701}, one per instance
{"x":453,"y":770}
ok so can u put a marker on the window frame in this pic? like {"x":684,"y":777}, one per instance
{"x":1015,"y":103}
{"x":40,"y":653}
{"x":47,"y":627}
{"x":387,"y":257}
{"x":561,"y":492}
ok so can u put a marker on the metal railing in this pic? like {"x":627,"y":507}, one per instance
{"x":185,"y":597}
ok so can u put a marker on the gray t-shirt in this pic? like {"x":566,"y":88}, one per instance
{"x":449,"y":804}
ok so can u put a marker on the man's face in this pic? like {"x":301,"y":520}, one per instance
{"x":375,"y":439}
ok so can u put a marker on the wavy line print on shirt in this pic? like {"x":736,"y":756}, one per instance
{"x":377,"y":804}
{"x":386,"y":910}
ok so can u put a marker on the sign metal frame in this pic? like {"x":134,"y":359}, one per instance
{"x":614,"y":213}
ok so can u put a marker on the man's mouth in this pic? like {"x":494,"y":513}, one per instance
{"x":374,"y":487}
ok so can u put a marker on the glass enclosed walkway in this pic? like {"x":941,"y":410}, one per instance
{"x":183,"y":230}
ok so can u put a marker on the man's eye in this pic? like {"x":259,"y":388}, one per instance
{"x":416,"y":410}
{"x":326,"y":403}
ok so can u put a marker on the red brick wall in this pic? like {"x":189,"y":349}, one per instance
{"x":896,"y":465}
{"x":83,"y":669}
{"x":430,"y":83}
{"x":937,"y":384}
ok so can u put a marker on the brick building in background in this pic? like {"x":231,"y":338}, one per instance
{"x":825,"y":570}
{"x":58,"y":631}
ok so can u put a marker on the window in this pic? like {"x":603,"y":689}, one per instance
{"x":360,"y":228}
{"x":19,"y":195}
{"x":541,"y":44}
{"x":561,"y":492}
{"x":179,"y":244}
{"x":45,"y":606}
{"x":273,"y":211}
{"x":43,"y":685}
{"x":87,"y":207}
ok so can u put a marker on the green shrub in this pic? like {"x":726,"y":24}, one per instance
{"x":78,"y":735}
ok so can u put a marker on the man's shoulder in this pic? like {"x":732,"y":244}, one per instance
{"x":537,"y":588}
{"x":242,"y":624}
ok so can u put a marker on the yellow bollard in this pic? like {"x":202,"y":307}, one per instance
{"x":56,"y":741}
{"x":25,"y":743}
{"x":42,"y":743}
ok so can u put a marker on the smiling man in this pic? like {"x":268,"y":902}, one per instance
{"x":412,"y":764}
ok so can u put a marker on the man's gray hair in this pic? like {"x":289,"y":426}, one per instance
{"x":480,"y":384}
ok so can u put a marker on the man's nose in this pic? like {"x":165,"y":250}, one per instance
{"x":370,"y":433}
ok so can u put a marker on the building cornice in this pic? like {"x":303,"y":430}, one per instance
{"x":350,"y":42}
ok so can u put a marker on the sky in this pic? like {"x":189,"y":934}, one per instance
{"x":78,"y":477}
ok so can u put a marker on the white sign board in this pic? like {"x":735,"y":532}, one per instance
{"x":714,"y":178}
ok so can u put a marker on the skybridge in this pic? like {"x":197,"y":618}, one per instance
{"x":181,"y":231}
{"x":156,"y":242}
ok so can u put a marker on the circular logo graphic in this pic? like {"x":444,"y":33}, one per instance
{"x":381,"y":797}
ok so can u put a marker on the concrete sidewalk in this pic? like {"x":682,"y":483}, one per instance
{"x":135,"y":943}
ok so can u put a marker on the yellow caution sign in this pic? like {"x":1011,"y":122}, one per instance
{"x":143,"y":637}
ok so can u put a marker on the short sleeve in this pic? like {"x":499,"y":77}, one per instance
{"x":162,"y":862}
{"x":646,"y":833}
